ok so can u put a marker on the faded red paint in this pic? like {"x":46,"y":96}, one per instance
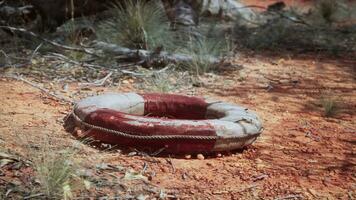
{"x":174,"y":106}
{"x":138,"y":125}
{"x":123,"y":122}
{"x":176,"y":146}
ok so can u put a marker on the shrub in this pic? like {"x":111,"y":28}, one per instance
{"x":201,"y":48}
{"x":77,"y":30}
{"x":137,"y":24}
{"x":267,"y":36}
{"x":56,"y":172}
{"x":330,"y":106}
{"x":327,"y":10}
{"x":165,"y":81}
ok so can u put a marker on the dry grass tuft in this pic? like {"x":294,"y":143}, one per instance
{"x":330,"y":106}
{"x":137,"y":24}
{"x":56,"y":171}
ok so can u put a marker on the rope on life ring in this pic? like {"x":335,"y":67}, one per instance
{"x":143,"y":137}
{"x":197,"y":125}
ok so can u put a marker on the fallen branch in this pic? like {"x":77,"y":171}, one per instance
{"x":90,"y":66}
{"x":135,"y":54}
{"x":55,"y":44}
{"x":8,"y":11}
{"x":116,"y":68}
{"x":141,"y":54}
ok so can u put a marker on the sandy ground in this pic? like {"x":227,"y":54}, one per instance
{"x":301,"y":154}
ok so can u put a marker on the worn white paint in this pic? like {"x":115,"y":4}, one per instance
{"x":178,"y":123}
{"x":234,"y":135}
{"x":233,"y":113}
{"x":130,"y":103}
{"x":233,"y":126}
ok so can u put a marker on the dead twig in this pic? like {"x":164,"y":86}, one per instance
{"x":95,"y":67}
{"x":33,"y":196}
{"x":55,"y":44}
{"x":145,"y":74}
{"x":169,"y":161}
{"x":6,"y":56}
{"x":145,"y":166}
{"x":99,"y":82}
{"x":158,"y":151}
{"x":260,"y":177}
{"x":28,"y":61}
{"x":66,"y":59}
{"x":35,"y":51}
{"x":310,"y":135}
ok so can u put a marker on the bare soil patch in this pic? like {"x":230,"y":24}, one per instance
{"x":301,"y":154}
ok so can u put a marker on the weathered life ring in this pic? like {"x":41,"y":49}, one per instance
{"x":175,"y":123}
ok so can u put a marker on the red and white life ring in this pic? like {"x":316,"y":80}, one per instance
{"x":176,"y":123}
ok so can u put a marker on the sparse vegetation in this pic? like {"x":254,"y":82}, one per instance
{"x":295,"y":30}
{"x":159,"y":83}
{"x":330,"y":106}
{"x":201,"y":49}
{"x":264,"y":37}
{"x":77,"y":30}
{"x":56,"y":172}
{"x":165,"y":81}
{"x":328,"y":11}
{"x":280,"y":61}
{"x":140,"y":24}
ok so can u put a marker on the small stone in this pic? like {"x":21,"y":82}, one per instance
{"x":79,"y":133}
{"x":133,"y":153}
{"x":102,"y":166}
{"x":218,"y":155}
{"x":200,"y":157}
{"x":165,"y":170}
{"x":188,"y":156}
{"x":184,"y":176}
{"x":105,"y":146}
{"x":141,"y":197}
{"x":85,"y":173}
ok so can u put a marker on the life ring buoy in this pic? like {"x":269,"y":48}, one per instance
{"x":175,"y":123}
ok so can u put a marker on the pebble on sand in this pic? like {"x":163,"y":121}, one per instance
{"x":200,"y":157}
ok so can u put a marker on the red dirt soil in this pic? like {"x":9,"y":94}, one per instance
{"x":301,"y":154}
